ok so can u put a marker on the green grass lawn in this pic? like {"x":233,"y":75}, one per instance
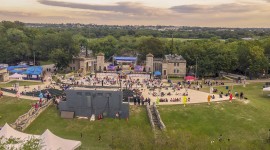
{"x":119,"y":134}
{"x":245,"y":124}
{"x":11,"y":108}
{"x":21,"y":83}
{"x":49,"y":62}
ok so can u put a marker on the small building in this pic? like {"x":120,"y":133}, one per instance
{"x":171,"y":65}
{"x":86,"y":102}
{"x":84,"y":63}
{"x":174,"y":65}
{"x":4,"y":75}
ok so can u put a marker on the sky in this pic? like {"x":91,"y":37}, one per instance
{"x":210,"y":13}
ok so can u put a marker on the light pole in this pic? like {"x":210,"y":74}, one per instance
{"x":196,"y":68}
{"x":34,"y":58}
{"x":245,"y":77}
{"x":246,"y":72}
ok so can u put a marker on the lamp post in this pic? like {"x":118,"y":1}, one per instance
{"x":245,"y":77}
{"x":196,"y":67}
{"x":246,"y":72}
{"x":34,"y":58}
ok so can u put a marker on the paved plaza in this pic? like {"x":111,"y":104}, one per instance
{"x":194,"y":96}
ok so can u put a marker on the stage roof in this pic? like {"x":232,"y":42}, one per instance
{"x":118,"y":58}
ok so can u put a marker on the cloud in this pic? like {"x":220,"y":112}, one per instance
{"x":222,"y":8}
{"x":17,"y":13}
{"x":120,"y":7}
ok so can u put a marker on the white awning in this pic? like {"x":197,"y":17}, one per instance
{"x":48,"y":140}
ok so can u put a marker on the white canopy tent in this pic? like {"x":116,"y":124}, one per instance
{"x":48,"y":140}
{"x":16,"y":76}
{"x":52,"y":142}
{"x":8,"y":132}
{"x":267,"y":89}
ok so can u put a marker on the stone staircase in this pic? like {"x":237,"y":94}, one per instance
{"x":155,"y":121}
{"x":154,"y":118}
{"x":23,"y":121}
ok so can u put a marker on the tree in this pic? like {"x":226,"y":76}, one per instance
{"x":151,"y":45}
{"x":257,"y":60}
{"x":60,"y":58}
{"x":9,"y":143}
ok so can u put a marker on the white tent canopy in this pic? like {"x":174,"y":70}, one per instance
{"x":16,"y":76}
{"x":48,"y":140}
{"x":266,"y":89}
{"x":52,"y":141}
{"x":8,"y":132}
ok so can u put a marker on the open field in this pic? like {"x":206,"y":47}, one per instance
{"x":119,"y":134}
{"x":11,"y":108}
{"x":245,"y":123}
{"x":21,"y":83}
{"x":181,"y":39}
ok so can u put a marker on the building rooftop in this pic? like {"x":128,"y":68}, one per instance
{"x":149,"y":55}
{"x":174,"y":58}
{"x":100,"y":54}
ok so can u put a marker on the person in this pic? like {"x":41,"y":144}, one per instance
{"x":148,"y":101}
{"x":220,"y":95}
{"x":18,"y":94}
{"x":36,"y":106}
{"x":40,"y":96}
{"x":231,"y":96}
{"x":208,"y":99}
{"x":1,"y":94}
{"x":40,"y":103}
{"x":116,"y":115}
{"x":135,"y":99}
{"x":157,"y":101}
{"x":184,"y":100}
{"x":241,"y":95}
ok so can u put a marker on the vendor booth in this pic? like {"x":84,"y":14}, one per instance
{"x":16,"y":76}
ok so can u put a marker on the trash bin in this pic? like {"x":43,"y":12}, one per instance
{"x":227,"y":87}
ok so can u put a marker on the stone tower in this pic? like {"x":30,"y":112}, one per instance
{"x":100,"y":62}
{"x":149,"y":63}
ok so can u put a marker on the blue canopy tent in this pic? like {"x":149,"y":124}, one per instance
{"x":125,"y":59}
{"x":129,"y":59}
{"x":17,"y":69}
{"x":157,"y":73}
{"x":34,"y":70}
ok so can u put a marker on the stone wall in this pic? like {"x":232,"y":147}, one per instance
{"x":150,"y":116}
{"x":85,"y":102}
{"x":181,"y":67}
{"x":100,"y":63}
{"x":161,"y":124}
{"x":149,"y":64}
{"x":26,"y":119}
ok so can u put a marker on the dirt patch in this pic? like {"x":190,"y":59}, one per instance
{"x":246,"y":101}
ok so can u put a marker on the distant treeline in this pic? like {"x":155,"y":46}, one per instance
{"x":98,"y":31}
{"x":20,"y":43}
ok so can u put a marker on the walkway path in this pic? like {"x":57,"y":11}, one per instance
{"x":194,"y":95}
